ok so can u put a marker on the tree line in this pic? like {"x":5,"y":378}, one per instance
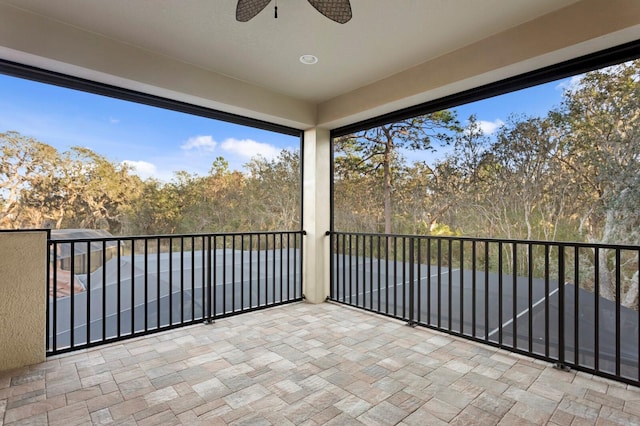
{"x":41,"y":187}
{"x":573,"y":174}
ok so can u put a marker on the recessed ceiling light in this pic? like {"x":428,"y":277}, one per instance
{"x":308,"y":59}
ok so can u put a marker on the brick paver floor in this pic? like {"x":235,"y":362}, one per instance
{"x":307,"y":364}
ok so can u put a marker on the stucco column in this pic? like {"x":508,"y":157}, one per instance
{"x":23,"y":263}
{"x":316,"y":214}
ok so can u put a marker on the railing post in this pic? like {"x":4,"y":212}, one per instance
{"x":560,"y":364}
{"x":412,"y":322}
{"x":209,"y":305}
{"x":50,"y":295}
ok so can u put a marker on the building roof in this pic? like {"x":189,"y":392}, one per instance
{"x":65,"y":236}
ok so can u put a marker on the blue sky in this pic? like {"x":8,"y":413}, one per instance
{"x":158,"y":142}
{"x":493,"y":112}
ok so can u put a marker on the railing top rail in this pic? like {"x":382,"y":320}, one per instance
{"x":167,"y":236}
{"x":495,"y":240}
{"x":25,"y":230}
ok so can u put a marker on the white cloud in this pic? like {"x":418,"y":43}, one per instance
{"x":114,"y":120}
{"x":143,"y":169}
{"x":571,"y":84}
{"x":204,"y":143}
{"x":489,"y":127}
{"x":249,"y":148}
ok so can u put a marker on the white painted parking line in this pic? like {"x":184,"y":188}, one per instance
{"x":400,"y":283}
{"x":522,"y":313}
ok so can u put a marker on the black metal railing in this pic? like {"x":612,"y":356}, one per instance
{"x":102,"y":290}
{"x":573,"y":304}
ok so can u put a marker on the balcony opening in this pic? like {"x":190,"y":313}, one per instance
{"x":510,"y":220}
{"x":161,"y":214}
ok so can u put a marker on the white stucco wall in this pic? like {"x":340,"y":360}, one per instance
{"x":22,"y":298}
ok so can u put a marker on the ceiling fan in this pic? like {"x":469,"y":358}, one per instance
{"x":336,"y":10}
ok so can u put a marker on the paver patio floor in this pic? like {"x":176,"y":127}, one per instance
{"x":307,"y":364}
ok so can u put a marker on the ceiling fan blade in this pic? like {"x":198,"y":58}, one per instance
{"x":336,"y":10}
{"x":247,"y":9}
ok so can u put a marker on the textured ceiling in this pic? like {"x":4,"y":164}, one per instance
{"x":383,"y":38}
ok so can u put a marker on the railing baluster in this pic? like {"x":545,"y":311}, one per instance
{"x":395,"y":276}
{"x":530,"y":294}
{"x":289,"y":266}
{"x":386,"y":271}
{"x":118,"y":288}
{"x":158,"y":289}
{"x":181,"y":280}
{"x":429,"y":321}
{"x":357,"y":270}
{"x":193,"y":278}
{"x":251,"y":272}
{"x":265,"y":302}
{"x":224,"y":274}
{"x":146,"y":284}
{"x":439,"y":254}
{"x":576,"y":306}
{"x":242,"y":307}
{"x":450,"y":284}
{"x":618,"y":303}
{"x":461,"y":287}
{"x":233,"y":274}
{"x":213,"y":278}
{"x":300,"y":244}
{"x":500,"y":284}
{"x":170,"y":281}
{"x":55,"y":297}
{"x":344,"y":269}
{"x":546,"y":300}
{"x":419,"y":241}
{"x":379,"y":272}
{"x":104,"y":290}
{"x":206,"y":273}
{"x":273,"y":269}
{"x":72,"y":278}
{"x":282,"y":299}
{"x":561,"y":306}
{"x":411,"y":281}
{"x":404,"y":277}
{"x":514,"y":309}
{"x":596,"y":291}
{"x":473,"y":287}
{"x":88,"y":292}
{"x":48,"y":299}
{"x":371,"y":273}
{"x":350,"y":268}
{"x":486,"y":290}
{"x":133,"y":286}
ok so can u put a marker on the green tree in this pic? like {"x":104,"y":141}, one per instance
{"x":379,"y":148}
{"x":601,"y":153}
{"x":23,"y":162}
{"x":157,"y":210}
{"x":83,"y":190}
{"x":273,"y":191}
